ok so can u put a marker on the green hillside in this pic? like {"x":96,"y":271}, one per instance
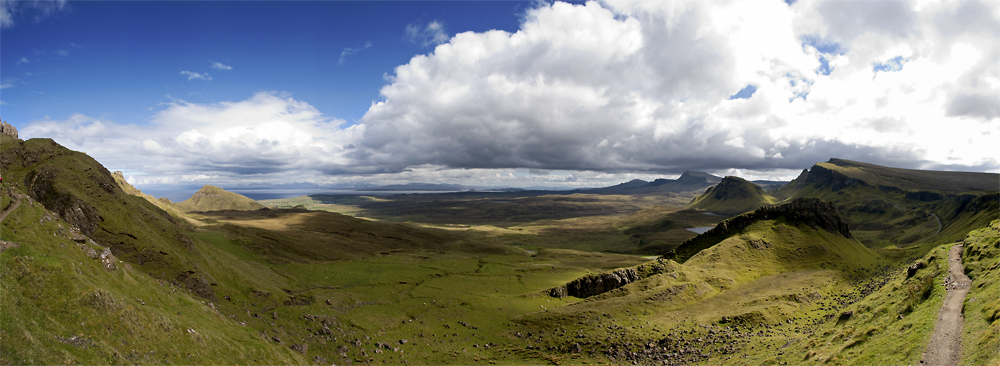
{"x":732,"y":196}
{"x":98,"y":273}
{"x":981,"y":256}
{"x":80,"y":191}
{"x":212,"y":198}
{"x":768,"y":283}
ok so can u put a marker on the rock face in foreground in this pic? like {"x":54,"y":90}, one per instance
{"x":596,"y":284}
{"x":591,"y":285}
{"x":814,"y":212}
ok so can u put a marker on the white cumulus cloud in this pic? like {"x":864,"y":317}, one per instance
{"x":219,"y":66}
{"x":194,"y":75}
{"x":644,"y":86}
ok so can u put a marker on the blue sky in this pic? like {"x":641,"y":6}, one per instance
{"x":81,"y":59}
{"x":504,"y":93}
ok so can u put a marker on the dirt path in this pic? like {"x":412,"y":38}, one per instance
{"x":12,"y":207}
{"x":946,"y":343}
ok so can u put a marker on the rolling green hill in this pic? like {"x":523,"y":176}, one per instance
{"x":732,"y":196}
{"x":212,"y":198}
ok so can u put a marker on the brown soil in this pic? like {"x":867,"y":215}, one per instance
{"x":946,"y":343}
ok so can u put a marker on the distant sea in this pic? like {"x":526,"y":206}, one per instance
{"x":177,"y":195}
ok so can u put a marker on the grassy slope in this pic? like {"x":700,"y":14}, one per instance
{"x":212,"y":198}
{"x":77,"y":187}
{"x":981,"y":257}
{"x":732,"y":196}
{"x":748,"y":279}
{"x":884,"y":216}
{"x":277,"y":288}
{"x":60,"y":306}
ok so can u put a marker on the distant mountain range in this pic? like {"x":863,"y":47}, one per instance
{"x":687,"y":182}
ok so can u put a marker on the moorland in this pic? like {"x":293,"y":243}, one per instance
{"x":846,"y":264}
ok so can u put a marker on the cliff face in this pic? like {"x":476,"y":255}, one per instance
{"x":8,"y":129}
{"x":814,"y":212}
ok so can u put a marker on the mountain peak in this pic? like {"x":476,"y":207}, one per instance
{"x":733,"y":195}
{"x":691,"y":176}
{"x":212,"y":198}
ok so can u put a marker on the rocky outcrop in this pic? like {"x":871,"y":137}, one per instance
{"x":43,"y":188}
{"x":8,"y":129}
{"x":595,"y":284}
{"x":814,"y":212}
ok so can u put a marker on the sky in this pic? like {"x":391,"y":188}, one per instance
{"x":502,"y":93}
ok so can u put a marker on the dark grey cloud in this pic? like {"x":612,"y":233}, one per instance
{"x":979,"y":105}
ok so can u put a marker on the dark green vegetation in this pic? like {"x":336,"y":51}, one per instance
{"x":212,"y":198}
{"x":487,"y":277}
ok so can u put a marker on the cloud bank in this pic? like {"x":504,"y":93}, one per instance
{"x":601,"y":92}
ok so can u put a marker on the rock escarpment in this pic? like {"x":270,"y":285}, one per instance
{"x":591,"y":285}
{"x":599,"y":283}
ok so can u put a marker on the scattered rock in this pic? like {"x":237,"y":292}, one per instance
{"x":108,"y":260}
{"x":300,"y":348}
{"x":91,"y":253}
{"x":913,"y":268}
{"x":75,"y":341}
{"x":4,"y":245}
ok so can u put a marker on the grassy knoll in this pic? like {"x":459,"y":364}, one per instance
{"x":732,"y":196}
{"x":212,"y":198}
